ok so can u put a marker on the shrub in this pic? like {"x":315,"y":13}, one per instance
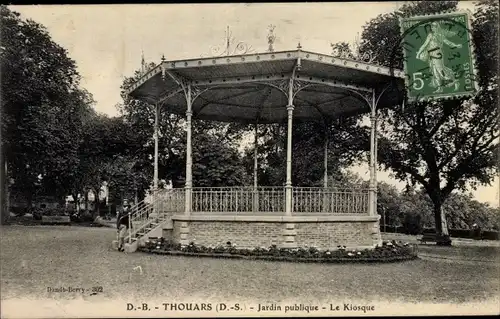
{"x":54,"y":211}
{"x":82,"y":216}
{"x":412,"y":224}
{"x":19,"y":211}
{"x":469,"y":233}
{"x":490,"y":235}
{"x":37,"y":214}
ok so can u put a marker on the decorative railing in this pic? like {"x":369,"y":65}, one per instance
{"x":138,"y":220}
{"x":238,"y":199}
{"x":316,"y":200}
{"x":170,"y":200}
{"x":146,"y":215}
{"x":250,"y":201}
{"x":305,"y":200}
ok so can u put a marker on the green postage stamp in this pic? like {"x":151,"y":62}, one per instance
{"x":438,"y":56}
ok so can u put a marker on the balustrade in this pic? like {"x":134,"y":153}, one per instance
{"x":318,"y":200}
{"x":265,"y":200}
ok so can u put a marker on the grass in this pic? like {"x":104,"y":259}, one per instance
{"x":34,"y":258}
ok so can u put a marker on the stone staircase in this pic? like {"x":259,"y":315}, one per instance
{"x":152,"y":219}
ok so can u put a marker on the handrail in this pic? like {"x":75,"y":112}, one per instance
{"x":138,"y":216}
{"x":136,"y":213}
{"x":159,"y":205}
{"x":139,"y":213}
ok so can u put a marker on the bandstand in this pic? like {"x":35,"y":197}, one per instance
{"x":264,"y":88}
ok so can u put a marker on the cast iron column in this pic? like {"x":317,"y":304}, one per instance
{"x":288,"y":185}
{"x":155,"y":176}
{"x":189,"y":160}
{"x":325,"y":163}
{"x":255,"y":170}
{"x":325,"y":173}
{"x":372,"y":207}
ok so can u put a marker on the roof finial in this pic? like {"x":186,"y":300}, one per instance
{"x":271,"y":38}
{"x":227,"y":48}
{"x":143,"y":63}
{"x":299,"y":46}
{"x":163,"y":58}
{"x":228,"y":40}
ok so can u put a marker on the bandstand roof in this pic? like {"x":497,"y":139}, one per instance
{"x":252,"y":87}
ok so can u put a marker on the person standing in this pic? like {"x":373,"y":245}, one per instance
{"x":122,"y":226}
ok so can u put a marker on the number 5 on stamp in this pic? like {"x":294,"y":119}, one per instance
{"x":438,"y":56}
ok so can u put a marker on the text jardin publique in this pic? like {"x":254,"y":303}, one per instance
{"x":260,"y":307}
{"x":311,"y":308}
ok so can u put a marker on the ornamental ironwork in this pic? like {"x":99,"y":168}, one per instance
{"x":230,"y":47}
{"x":271,"y":38}
{"x":343,"y":51}
{"x":146,"y":67}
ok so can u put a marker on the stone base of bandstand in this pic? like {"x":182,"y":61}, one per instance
{"x":249,"y":232}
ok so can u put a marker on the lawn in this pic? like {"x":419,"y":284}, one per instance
{"x":37,"y":257}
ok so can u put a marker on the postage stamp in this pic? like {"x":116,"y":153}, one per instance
{"x":438,"y":56}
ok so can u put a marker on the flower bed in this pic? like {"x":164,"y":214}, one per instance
{"x":390,"y":251}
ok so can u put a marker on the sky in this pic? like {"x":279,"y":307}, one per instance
{"x":107,"y":41}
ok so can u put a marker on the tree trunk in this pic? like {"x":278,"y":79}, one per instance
{"x":4,"y":180}
{"x":136,"y":197}
{"x":442,"y":235}
{"x":96,"y":204}
{"x":75,"y":200}
{"x":86,"y":199}
{"x":29,"y":200}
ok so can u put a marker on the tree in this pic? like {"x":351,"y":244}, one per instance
{"x":270,"y":155}
{"x":123,"y":181}
{"x":216,"y":164}
{"x":108,"y":153}
{"x":216,"y":161}
{"x":389,"y":203}
{"x":445,"y":145}
{"x":347,"y":141}
{"x":40,"y":98}
{"x":64,"y":177}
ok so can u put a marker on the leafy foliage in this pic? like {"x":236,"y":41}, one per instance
{"x":412,"y":209}
{"x":110,"y":154}
{"x":443,"y":145}
{"x":42,"y":108}
{"x":382,"y":35}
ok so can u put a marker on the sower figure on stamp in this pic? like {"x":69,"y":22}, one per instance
{"x":432,"y":52}
{"x":122,"y":225}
